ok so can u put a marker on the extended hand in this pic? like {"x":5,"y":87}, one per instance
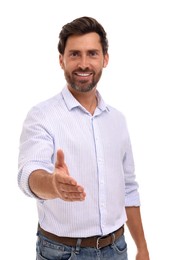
{"x":66,"y":187}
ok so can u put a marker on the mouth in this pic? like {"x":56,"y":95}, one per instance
{"x":83,"y":75}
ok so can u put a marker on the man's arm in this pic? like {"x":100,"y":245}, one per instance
{"x":135,"y":227}
{"x":58,"y":184}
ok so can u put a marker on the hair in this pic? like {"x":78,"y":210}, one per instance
{"x":82,"y":26}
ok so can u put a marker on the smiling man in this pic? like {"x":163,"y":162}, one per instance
{"x":83,"y":61}
{"x":76,"y":159}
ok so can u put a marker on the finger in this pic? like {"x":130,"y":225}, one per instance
{"x":60,"y":162}
{"x":73,"y":196}
{"x":68,"y":187}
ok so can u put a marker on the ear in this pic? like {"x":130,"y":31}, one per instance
{"x":106,"y":60}
{"x":61,"y":61}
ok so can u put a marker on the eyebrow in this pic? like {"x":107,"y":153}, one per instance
{"x":96,"y":50}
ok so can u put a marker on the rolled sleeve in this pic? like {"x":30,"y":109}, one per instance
{"x":36,"y":149}
{"x":23,"y":177}
{"x":132,"y":197}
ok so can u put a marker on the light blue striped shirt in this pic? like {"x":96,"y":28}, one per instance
{"x":98,"y":154}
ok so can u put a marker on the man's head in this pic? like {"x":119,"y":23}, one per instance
{"x":82,"y":26}
{"x":83,"y":49}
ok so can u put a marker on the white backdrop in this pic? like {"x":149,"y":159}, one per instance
{"x":138,"y":81}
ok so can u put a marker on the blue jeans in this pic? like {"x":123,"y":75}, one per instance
{"x":50,"y":250}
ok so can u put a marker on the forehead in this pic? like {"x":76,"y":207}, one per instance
{"x":86,"y":41}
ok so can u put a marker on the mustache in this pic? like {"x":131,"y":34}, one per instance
{"x":83,"y":71}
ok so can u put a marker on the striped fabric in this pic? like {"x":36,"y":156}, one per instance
{"x":98,"y":154}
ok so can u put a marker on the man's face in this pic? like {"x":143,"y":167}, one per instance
{"x":83,"y":61}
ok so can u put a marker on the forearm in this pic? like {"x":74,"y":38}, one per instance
{"x":56,"y":185}
{"x":135,"y":227}
{"x":41,"y":184}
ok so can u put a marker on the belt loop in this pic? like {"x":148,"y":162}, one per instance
{"x":79,"y":241}
{"x":113,"y":238}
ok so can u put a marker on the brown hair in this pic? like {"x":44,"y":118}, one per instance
{"x":81,"y":26}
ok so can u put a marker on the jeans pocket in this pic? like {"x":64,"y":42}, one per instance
{"x":61,"y":257}
{"x":120,"y":245}
{"x":39,"y":257}
{"x":50,"y":250}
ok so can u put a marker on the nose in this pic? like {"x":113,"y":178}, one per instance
{"x":83,"y":63}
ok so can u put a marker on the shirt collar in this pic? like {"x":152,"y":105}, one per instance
{"x":71,"y":102}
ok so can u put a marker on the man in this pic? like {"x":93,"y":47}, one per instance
{"x":76,"y":159}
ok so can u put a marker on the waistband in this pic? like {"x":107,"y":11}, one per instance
{"x":94,"y":241}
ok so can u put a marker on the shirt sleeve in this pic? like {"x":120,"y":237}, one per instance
{"x":132,"y":197}
{"x":36,"y":148}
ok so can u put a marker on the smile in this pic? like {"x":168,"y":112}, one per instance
{"x":83,"y":74}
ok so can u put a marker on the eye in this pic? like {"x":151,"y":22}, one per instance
{"x":93,"y":53}
{"x":74,"y":54}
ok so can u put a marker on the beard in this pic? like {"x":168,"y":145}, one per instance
{"x":82,"y":85}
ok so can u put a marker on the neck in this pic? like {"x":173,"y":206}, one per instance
{"x":87,"y":99}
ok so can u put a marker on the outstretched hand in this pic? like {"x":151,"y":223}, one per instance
{"x":66,"y":187}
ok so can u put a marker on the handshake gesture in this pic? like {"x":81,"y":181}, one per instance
{"x":57,"y":185}
{"x":67,"y":188}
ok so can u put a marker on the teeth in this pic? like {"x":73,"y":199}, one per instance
{"x":83,"y":74}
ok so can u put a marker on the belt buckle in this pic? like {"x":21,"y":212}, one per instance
{"x":97,"y":243}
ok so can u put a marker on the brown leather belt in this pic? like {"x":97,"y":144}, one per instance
{"x":95,"y":241}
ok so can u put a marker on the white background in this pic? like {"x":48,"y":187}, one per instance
{"x":139,"y":81}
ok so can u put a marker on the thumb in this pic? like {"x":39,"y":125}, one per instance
{"x":60,"y":159}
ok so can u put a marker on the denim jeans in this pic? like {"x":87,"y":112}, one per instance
{"x":49,"y":250}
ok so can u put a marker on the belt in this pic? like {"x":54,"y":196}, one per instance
{"x":95,"y":241}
